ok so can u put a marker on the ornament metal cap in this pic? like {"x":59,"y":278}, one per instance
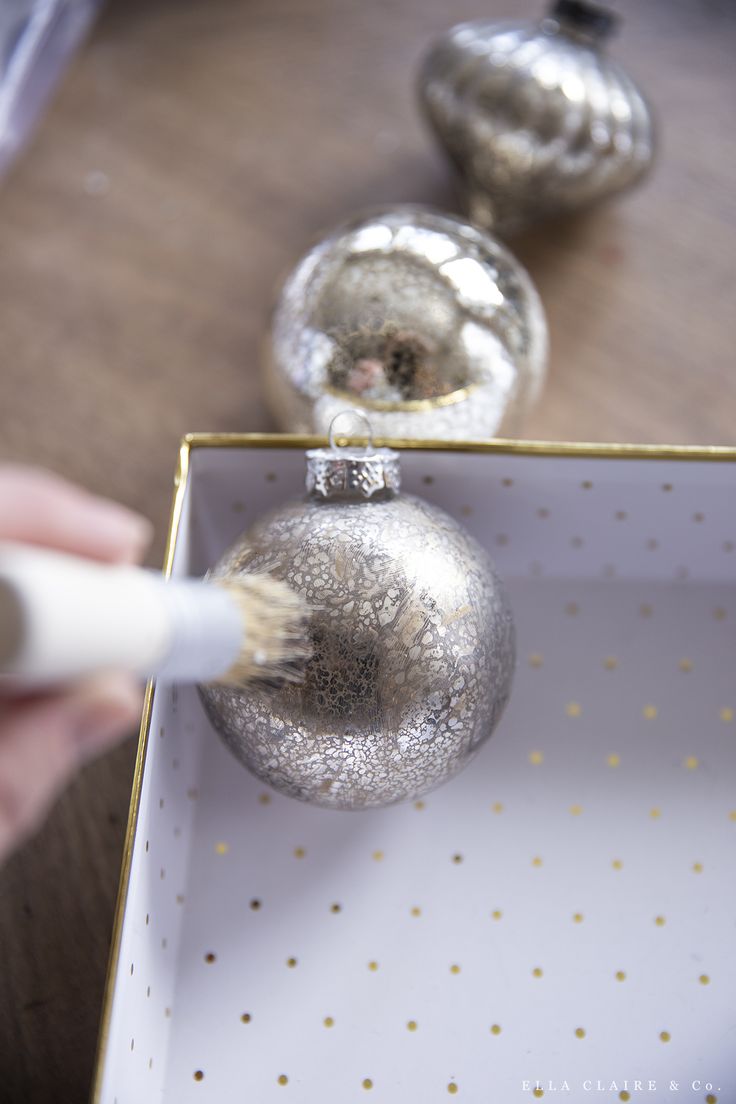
{"x":352,"y":471}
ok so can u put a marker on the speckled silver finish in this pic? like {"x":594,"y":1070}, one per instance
{"x":413,"y":650}
{"x":536,"y":117}
{"x":424,"y":322}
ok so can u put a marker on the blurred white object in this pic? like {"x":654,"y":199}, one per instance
{"x":37,"y":38}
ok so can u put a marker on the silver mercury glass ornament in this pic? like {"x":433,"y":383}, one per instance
{"x":412,"y":634}
{"x":536,"y":117}
{"x":426,"y":323}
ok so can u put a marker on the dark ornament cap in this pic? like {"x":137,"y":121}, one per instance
{"x":590,"y":19}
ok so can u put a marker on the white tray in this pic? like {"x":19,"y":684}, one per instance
{"x":592,"y":841}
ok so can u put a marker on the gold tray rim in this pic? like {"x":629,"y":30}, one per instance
{"x":189,"y":442}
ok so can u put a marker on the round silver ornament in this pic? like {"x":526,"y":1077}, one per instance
{"x":412,"y":635}
{"x":427,"y":324}
{"x":536,"y":117}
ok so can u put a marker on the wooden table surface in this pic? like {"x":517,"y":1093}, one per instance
{"x":192,"y":153}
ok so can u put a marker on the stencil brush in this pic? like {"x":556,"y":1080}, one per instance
{"x":63,"y":617}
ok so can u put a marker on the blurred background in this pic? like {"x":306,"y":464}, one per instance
{"x":190,"y":155}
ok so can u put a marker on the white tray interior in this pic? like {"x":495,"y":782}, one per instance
{"x":561,"y":914}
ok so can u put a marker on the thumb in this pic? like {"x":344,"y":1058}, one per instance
{"x":44,"y":739}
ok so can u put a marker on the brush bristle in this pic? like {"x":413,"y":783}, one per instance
{"x":276,"y":643}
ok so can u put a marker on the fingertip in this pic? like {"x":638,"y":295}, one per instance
{"x":106,"y":709}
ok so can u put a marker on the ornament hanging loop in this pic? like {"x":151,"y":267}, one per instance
{"x":351,"y":471}
{"x":355,"y":415}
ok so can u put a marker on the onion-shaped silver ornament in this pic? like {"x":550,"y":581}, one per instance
{"x":427,"y":324}
{"x":413,"y":641}
{"x":536,"y":118}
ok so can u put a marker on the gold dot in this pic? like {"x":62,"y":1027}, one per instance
{"x":711,"y":1099}
{"x":416,"y":911}
{"x":537,"y":972}
{"x":586,"y":485}
{"x":537,"y":860}
{"x":650,"y":712}
{"x":579,"y":1032}
{"x":377,"y":856}
{"x":665,"y":1036}
{"x":299,"y":852}
{"x":704,"y":979}
{"x":577,"y":917}
{"x":367,"y":1083}
{"x":624,"y":1095}
{"x":452,"y":1088}
{"x":457,"y":858}
{"x":645,"y":610}
{"x":726,"y":714}
{"x":655,"y":813}
{"x":255,"y":904}
{"x":419,"y":805}
{"x":666,"y":487}
{"x":502,"y":539}
{"x":210,"y":957}
{"x":539,"y":1093}
{"x":198,"y":1075}
{"x":697,"y":868}
{"x":454,"y":969}
{"x":620,"y":975}
{"x":698,"y":517}
{"x":660,"y":921}
{"x":719,"y":613}
{"x":573,"y":709}
{"x":495,"y":1029}
{"x":617,"y":864}
{"x":620,"y":515}
{"x":373,"y":966}
{"x":614,"y":760}
{"x":335,"y":907}
{"x":536,"y":660}
{"x":411,"y":1025}
{"x":576,"y":810}
{"x":180,"y":898}
{"x":466,"y":511}
{"x":732,"y":814}
{"x":572,"y":609}
{"x":536,"y":758}
{"x":328,"y":1021}
{"x":610,"y":663}
{"x":246,"y":1017}
{"x":291,"y":963}
{"x":685,"y":665}
{"x":283,"y":1079}
{"x":507,"y":482}
{"x":496,"y":914}
{"x":264,"y":799}
{"x":497,"y":807}
{"x":691,"y":762}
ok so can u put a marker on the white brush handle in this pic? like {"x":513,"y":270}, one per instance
{"x":66,"y":617}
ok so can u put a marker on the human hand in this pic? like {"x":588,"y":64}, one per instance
{"x":45,"y":737}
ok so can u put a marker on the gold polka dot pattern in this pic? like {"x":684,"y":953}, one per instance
{"x":588,"y":846}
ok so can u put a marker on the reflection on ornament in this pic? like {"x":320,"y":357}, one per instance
{"x":413,"y":641}
{"x":427,"y":323}
{"x":536,"y":118}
